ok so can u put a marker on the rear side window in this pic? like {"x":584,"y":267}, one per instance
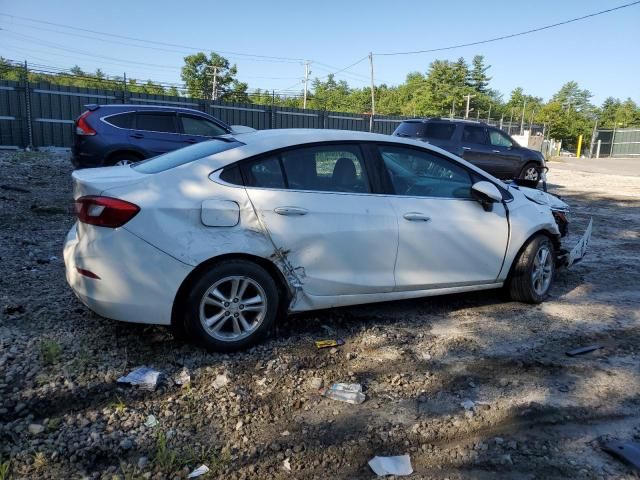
{"x":330,"y":168}
{"x":472,"y":134}
{"x":432,"y":130}
{"x":156,"y":122}
{"x":265,"y":173}
{"x":121,"y":120}
{"x":185,"y":155}
{"x":192,"y":125}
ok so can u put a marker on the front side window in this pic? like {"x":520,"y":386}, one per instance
{"x":156,"y":122}
{"x":499,"y":139}
{"x":472,"y":134}
{"x":420,"y":173}
{"x":192,"y":125}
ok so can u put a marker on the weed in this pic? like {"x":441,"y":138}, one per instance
{"x":39,"y":461}
{"x":83,"y":360}
{"x":4,"y":469}
{"x":54,"y":423}
{"x":119,"y":406}
{"x":165,"y":457}
{"x":50,"y":351}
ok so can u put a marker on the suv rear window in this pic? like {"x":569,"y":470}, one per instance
{"x":434,"y":130}
{"x":185,"y":155}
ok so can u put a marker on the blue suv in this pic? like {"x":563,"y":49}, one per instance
{"x":121,"y":134}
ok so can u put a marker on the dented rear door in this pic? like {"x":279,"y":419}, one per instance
{"x":338,"y":242}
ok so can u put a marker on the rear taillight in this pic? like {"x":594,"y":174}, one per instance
{"x":82,"y":127}
{"x":104,"y":211}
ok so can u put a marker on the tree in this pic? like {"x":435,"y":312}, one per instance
{"x":478,"y":76}
{"x":571,"y":96}
{"x":607,"y":117}
{"x":198,"y":72}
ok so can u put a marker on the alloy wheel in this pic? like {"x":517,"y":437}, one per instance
{"x":233,"y":308}
{"x":542,"y":270}
{"x":531,"y":173}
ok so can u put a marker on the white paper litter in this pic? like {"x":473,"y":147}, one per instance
{"x":400,"y":465}
{"x":201,"y":470}
{"x":347,"y":387}
{"x":151,"y":422}
{"x":286,"y":465}
{"x":144,"y":377}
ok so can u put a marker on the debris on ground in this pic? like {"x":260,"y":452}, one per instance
{"x":398,"y":465}
{"x":182,"y":378}
{"x":286,"y":464}
{"x":345,"y":392}
{"x":468,"y":405}
{"x":201,"y":470}
{"x":151,"y":421}
{"x":627,"y":451}
{"x":329,"y":343}
{"x":220,"y":381}
{"x":143,"y":377}
{"x":583,"y":350}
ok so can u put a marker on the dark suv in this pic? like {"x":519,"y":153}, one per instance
{"x":120,"y":134}
{"x":487,"y":147}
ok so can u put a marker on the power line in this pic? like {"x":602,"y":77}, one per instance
{"x":154,"y":42}
{"x":504,"y":37}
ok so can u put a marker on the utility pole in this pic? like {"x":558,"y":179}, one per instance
{"x":373,"y":94}
{"x":214,"y":86}
{"x":469,"y":97}
{"x":453,"y":108}
{"x":524,"y":105}
{"x":489,"y":114}
{"x":306,"y":82}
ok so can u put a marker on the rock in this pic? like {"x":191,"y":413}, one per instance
{"x":220,"y":381}
{"x":316,"y":383}
{"x":467,"y":404}
{"x":275,"y":446}
{"x":505,"y":459}
{"x":36,"y":428}
{"x":142,"y":462}
{"x":126,"y":444}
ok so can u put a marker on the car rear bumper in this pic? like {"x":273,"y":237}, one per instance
{"x":137,"y":282}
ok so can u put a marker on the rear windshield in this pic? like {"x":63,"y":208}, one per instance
{"x":185,"y":155}
{"x":434,"y":130}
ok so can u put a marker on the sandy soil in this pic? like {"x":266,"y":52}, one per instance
{"x":536,"y":413}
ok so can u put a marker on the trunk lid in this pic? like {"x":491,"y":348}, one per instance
{"x":95,"y":181}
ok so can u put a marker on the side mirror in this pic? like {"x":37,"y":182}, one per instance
{"x":486,"y":193}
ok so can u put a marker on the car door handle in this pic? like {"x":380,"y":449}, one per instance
{"x":466,"y":148}
{"x":192,"y":140}
{"x":136,"y":135}
{"x":495,"y":151}
{"x":291,"y":211}
{"x":416,"y":217}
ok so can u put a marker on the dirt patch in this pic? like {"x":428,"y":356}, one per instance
{"x":471,"y":386}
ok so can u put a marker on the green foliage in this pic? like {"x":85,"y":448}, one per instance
{"x":5,"y":467}
{"x":198,"y":76}
{"x":50,"y":351}
{"x":165,"y":457}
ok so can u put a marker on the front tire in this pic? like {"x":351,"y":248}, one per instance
{"x":533,"y":272}
{"x":530,"y":172}
{"x":231,"y":306}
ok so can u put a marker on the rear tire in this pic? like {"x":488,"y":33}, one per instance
{"x":232,"y":306}
{"x":124,"y":158}
{"x":532,"y":275}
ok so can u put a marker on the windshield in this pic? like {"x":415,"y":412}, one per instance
{"x":186,"y":155}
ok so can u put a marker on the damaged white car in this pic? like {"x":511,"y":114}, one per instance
{"x":220,"y":238}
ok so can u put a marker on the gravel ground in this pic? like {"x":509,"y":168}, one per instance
{"x":470,"y":386}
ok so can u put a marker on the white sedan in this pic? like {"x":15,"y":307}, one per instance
{"x":220,"y":238}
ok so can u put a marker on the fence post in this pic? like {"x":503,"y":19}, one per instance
{"x":27,"y":102}
{"x":613,"y":139}
{"x":124,"y":89}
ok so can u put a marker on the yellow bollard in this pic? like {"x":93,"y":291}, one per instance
{"x":579,"y":146}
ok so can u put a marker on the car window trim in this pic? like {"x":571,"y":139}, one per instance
{"x":104,"y":119}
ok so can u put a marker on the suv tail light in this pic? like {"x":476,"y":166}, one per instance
{"x":82,"y":127}
{"x":104,"y":211}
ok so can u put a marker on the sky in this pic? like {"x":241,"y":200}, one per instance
{"x":600,"y":53}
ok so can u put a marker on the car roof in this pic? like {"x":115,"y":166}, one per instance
{"x":133,"y":107}
{"x":450,"y":120}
